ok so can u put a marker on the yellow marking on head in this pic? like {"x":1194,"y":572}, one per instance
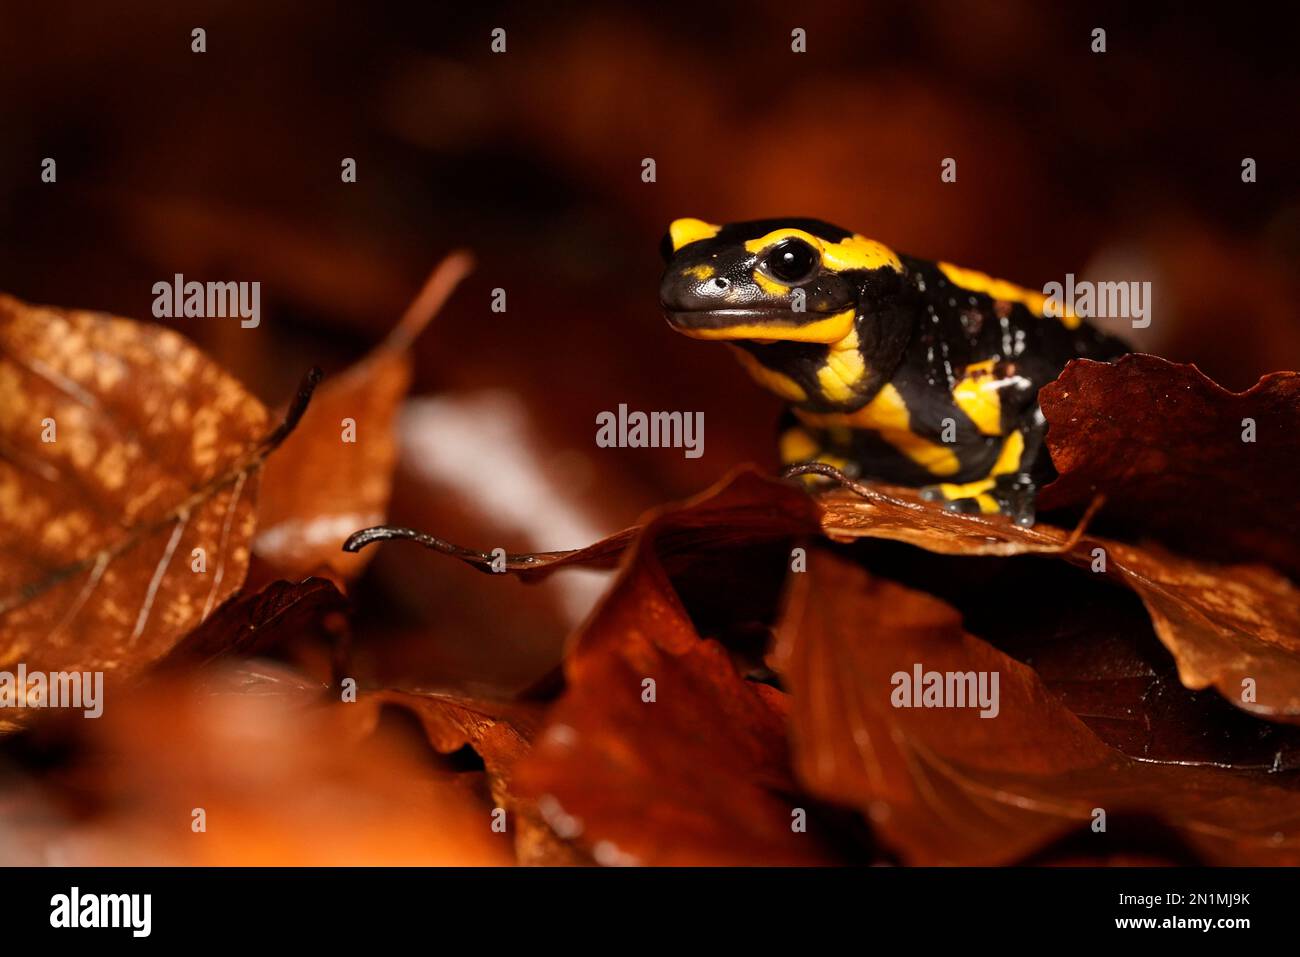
{"x":700,"y":272}
{"x":844,"y":371}
{"x":684,"y":231}
{"x":978,"y":395}
{"x":797,"y":445}
{"x":858,"y":252}
{"x":1008,"y":461}
{"x":828,"y":330}
{"x":887,"y":416}
{"x":769,"y":285}
{"x":776,"y":235}
{"x":770,"y":379}
{"x":855,"y":252}
{"x":974,"y":281}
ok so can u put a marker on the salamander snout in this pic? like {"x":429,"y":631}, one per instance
{"x":698,"y":288}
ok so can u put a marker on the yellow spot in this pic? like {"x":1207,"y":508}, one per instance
{"x":684,"y":231}
{"x":701,"y":272}
{"x":111,"y":467}
{"x":797,"y":446}
{"x":887,"y":416}
{"x":856,"y":252}
{"x":977,"y":395}
{"x":844,"y":370}
{"x":776,"y":235}
{"x":769,"y":285}
{"x":828,"y":330}
{"x":1008,"y":461}
{"x":974,"y":281}
{"x":770,"y":379}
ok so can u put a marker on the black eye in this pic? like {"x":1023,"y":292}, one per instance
{"x":791,"y":261}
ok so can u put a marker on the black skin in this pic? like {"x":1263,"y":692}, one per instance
{"x":917,"y":331}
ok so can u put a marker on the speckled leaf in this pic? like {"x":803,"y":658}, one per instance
{"x":154,"y":455}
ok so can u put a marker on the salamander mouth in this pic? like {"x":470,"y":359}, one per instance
{"x":763,"y":325}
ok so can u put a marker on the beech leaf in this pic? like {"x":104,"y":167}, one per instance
{"x":944,"y":785}
{"x":253,"y":624}
{"x":1224,"y":624}
{"x":326,"y":481}
{"x":273,"y":775}
{"x":1211,"y":471}
{"x":700,"y":774}
{"x":128,"y":475}
{"x":501,"y":733}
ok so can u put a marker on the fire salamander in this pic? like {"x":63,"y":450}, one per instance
{"x":894,"y":368}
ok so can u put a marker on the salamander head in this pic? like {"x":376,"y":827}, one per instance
{"x":768,"y":280}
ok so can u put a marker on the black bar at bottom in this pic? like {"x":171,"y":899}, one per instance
{"x":440,"y":906}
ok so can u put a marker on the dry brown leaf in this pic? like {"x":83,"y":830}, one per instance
{"x":701,"y":774}
{"x":1165,"y":445}
{"x":1222,"y":623}
{"x":155,"y":455}
{"x":1233,"y":627}
{"x":253,"y":624}
{"x":501,"y":734}
{"x":318,"y":489}
{"x":278,"y":776}
{"x":744,"y":508}
{"x":944,"y":785}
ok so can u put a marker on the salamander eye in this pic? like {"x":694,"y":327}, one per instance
{"x":791,"y":261}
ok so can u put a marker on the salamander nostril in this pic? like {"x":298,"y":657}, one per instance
{"x":721,"y":283}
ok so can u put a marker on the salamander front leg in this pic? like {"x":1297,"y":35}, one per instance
{"x":1009,"y":488}
{"x":799,"y":444}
